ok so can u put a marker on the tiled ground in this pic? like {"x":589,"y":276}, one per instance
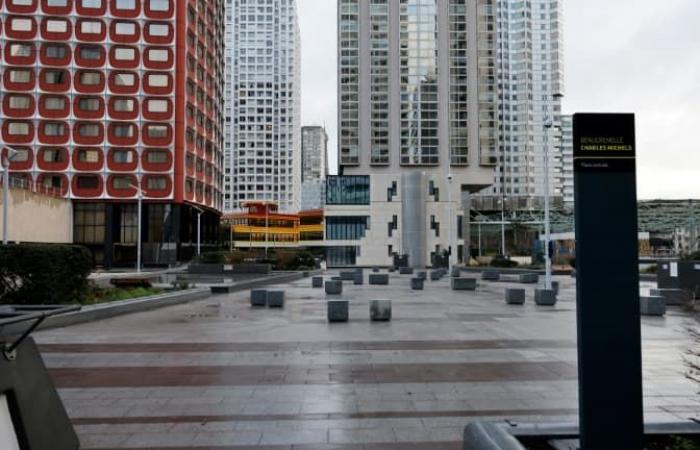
{"x":219,"y":375}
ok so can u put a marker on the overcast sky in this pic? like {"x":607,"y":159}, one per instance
{"x":640,"y":56}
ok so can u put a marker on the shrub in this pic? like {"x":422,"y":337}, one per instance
{"x":44,"y":274}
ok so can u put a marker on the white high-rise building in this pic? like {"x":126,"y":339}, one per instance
{"x":314,"y":150}
{"x":530,"y":78}
{"x":263,"y":112}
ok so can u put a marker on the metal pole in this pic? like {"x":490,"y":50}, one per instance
{"x":480,"y":254}
{"x":547,"y":236}
{"x":449,"y":222}
{"x":199,"y":232}
{"x":138,"y":233}
{"x":267,"y":228}
{"x":5,"y":197}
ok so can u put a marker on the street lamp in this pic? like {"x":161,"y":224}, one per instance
{"x":138,"y":227}
{"x":6,"y":190}
{"x":200,"y":211}
{"x":450,"y":222}
{"x":548,"y":123}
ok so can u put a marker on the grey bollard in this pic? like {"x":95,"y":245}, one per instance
{"x":545,"y":297}
{"x":378,"y":279}
{"x":652,"y":306}
{"x":317,"y":282}
{"x":375,"y":269}
{"x":490,"y":275}
{"x":488,"y":436}
{"x":673,"y":297}
{"x":338,"y":310}
{"x":528,"y":278}
{"x":435,"y":275}
{"x":406,"y":271}
{"x":358,"y":278}
{"x":347,"y":276}
{"x":515,"y":296}
{"x":555,"y":287}
{"x":334,"y":287}
{"x":275,"y":299}
{"x":463,"y":284}
{"x":417,"y":284}
{"x":456,"y":272}
{"x":380,"y":310}
{"x":423,"y":275}
{"x":258,"y":297}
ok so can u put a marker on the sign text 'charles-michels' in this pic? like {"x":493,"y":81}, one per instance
{"x":604,"y":142}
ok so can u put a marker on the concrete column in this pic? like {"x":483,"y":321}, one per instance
{"x":413,"y":218}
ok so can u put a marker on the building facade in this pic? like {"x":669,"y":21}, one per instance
{"x":417,"y":128}
{"x":314,"y":154}
{"x":262,"y":94}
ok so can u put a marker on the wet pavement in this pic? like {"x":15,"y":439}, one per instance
{"x":218,"y":375}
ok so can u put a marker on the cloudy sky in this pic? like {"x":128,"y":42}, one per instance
{"x":640,"y":56}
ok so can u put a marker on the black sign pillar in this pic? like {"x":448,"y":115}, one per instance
{"x":607,"y":283}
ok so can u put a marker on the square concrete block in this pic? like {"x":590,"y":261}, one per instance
{"x":258,"y":297}
{"x":406,"y":271}
{"x":375,"y":269}
{"x":652,"y":306}
{"x":334,"y":287}
{"x":490,"y":275}
{"x":463,"y":284}
{"x":515,"y":296}
{"x":456,"y":272}
{"x":423,"y":275}
{"x":379,"y":278}
{"x":673,"y":297}
{"x":435,"y":275}
{"x":275,"y":299}
{"x":380,"y":310}
{"x":545,"y":297}
{"x":358,"y":278}
{"x":317,"y":282}
{"x":555,"y":287}
{"x":221,"y":289}
{"x":417,"y":284}
{"x":347,"y":275}
{"x":338,"y":310}
{"x":528,"y":278}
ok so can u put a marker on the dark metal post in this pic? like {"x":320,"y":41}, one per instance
{"x":607,"y":282}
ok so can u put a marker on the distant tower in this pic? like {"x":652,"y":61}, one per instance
{"x":314,"y":149}
{"x":263,"y":112}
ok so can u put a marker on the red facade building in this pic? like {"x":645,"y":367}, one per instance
{"x":103,"y":98}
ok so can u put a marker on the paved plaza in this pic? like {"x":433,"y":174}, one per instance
{"x":217,"y":374}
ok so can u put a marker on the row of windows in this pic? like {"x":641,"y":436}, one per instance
{"x":56,"y":28}
{"x":117,"y":7}
{"x":19,"y":78}
{"x":86,"y":129}
{"x":91,"y":155}
{"x":88,"y":55}
{"x":25,"y":104}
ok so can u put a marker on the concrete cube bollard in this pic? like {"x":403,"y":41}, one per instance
{"x":417,"y":284}
{"x":258,"y":297}
{"x":275,"y":299}
{"x":380,"y":310}
{"x":652,"y":306}
{"x":435,"y":275}
{"x":528,"y":278}
{"x":423,"y":275}
{"x":406,"y":271}
{"x":545,"y":297}
{"x":463,"y":284}
{"x":379,"y":279}
{"x":515,"y":296}
{"x":358,"y":278}
{"x":392,"y":269}
{"x":336,"y":278}
{"x":375,"y":269}
{"x":317,"y":282}
{"x":490,"y":275}
{"x":334,"y":287}
{"x":338,"y":310}
{"x":347,"y":275}
{"x":456,"y":272}
{"x":673,"y":297}
{"x":555,"y":287}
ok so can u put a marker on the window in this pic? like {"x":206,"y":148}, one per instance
{"x":157,"y":131}
{"x":21,"y":155}
{"x":123,"y":104}
{"x":18,"y":128}
{"x":91,"y":27}
{"x":89,"y":130}
{"x":121,"y":182}
{"x":56,"y":51}
{"x":19,"y":101}
{"x":157,"y":156}
{"x":123,"y":130}
{"x":20,"y":76}
{"x":90,"y":78}
{"x":90,"y":53}
{"x":92,"y":4}
{"x":347,"y":190}
{"x":89,"y":104}
{"x":123,"y":156}
{"x":124,"y":54}
{"x":53,"y":155}
{"x":157,"y":106}
{"x":159,"y":183}
{"x":160,"y":55}
{"x":88,"y":155}
{"x":88,"y":218}
{"x":21,"y":50}
{"x":54,"y":129}
{"x":159,"y":5}
{"x":346,"y":228}
{"x":157,"y":80}
{"x":52,"y":181}
{"x":22,"y":2}
{"x":124,"y":79}
{"x":126,"y":4}
{"x":57,"y":3}
{"x":158,"y":29}
{"x":56,"y":26}
{"x":22,"y":24}
{"x":55,"y":76}
{"x":125,"y":28}
{"x":129,"y":224}
{"x":87,"y":182}
{"x":54,"y":103}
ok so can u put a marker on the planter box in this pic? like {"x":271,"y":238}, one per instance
{"x":406,"y":271}
{"x":490,"y":275}
{"x":251,"y":268}
{"x":673,"y":297}
{"x":463,"y":284}
{"x":205,"y":269}
{"x":528,"y":278}
{"x":347,"y":276}
{"x":545,"y":297}
{"x":379,"y":279}
{"x":338,"y":310}
{"x":515,"y":296}
{"x":417,"y":284}
{"x":334,"y":287}
{"x":317,"y":282}
{"x":652,"y":306}
{"x":275,"y":299}
{"x":258,"y":297}
{"x":380,"y":310}
{"x":358,"y":278}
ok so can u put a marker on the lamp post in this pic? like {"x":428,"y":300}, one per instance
{"x":200,"y":211}
{"x":138,"y":227}
{"x":548,"y":123}
{"x":450,"y":222}
{"x":6,"y":190}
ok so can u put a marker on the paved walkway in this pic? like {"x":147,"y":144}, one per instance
{"x":218,"y":375}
